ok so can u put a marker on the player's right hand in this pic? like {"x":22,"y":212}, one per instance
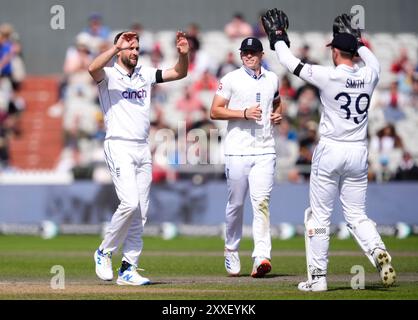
{"x":125,"y":41}
{"x":275,"y":23}
{"x":254,"y":112}
{"x":182,"y":44}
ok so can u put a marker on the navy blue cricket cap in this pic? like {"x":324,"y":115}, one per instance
{"x":251,"y":44}
{"x":345,"y":42}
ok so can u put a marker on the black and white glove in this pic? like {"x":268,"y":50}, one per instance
{"x":275,"y":23}
{"x":342,"y":24}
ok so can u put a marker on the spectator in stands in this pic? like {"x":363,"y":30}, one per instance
{"x":399,"y":64}
{"x":258,"y":30}
{"x":156,"y":56}
{"x":96,"y":28}
{"x":408,"y":169}
{"x":4,"y":146}
{"x":97,"y":32}
{"x":238,"y":27}
{"x":385,"y":152}
{"x":206,"y":82}
{"x":228,"y":65}
{"x":393,"y":103}
{"x":286,"y":145}
{"x":146,"y":38}
{"x":308,"y":108}
{"x":8,"y":51}
{"x":10,"y":124}
{"x":287,"y":92}
{"x":304,"y":54}
{"x":11,"y":61}
{"x":413,"y":98}
{"x":307,"y":144}
{"x":386,"y":140}
{"x":193,"y":30}
{"x":78,"y":105}
{"x":405,"y":78}
{"x":199,"y":61}
{"x":191,"y":106}
{"x":78,"y":58}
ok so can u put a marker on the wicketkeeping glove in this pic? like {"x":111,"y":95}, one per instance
{"x":275,"y":23}
{"x":342,"y":24}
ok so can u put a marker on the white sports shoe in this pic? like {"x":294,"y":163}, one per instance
{"x":261,"y":267}
{"x":317,"y":285}
{"x":103,"y":265}
{"x":232,"y":263}
{"x":131,"y":277}
{"x":386,"y":271}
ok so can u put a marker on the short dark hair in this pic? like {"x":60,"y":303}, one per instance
{"x":347,"y":55}
{"x":120,"y":33}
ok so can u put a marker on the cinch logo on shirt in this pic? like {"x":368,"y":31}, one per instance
{"x":134,"y":94}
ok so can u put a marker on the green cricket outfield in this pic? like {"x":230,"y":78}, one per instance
{"x":192,"y":268}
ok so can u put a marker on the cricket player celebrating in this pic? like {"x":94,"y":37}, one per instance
{"x":339,"y":164}
{"x":245,"y":97}
{"x":124,"y":93}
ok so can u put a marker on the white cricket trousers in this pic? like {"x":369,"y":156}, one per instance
{"x":256,"y":173}
{"x":130,"y":165}
{"x":339,"y":169}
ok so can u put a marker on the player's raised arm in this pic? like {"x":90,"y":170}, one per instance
{"x":179,"y":71}
{"x":276,"y":23}
{"x":342,"y":24}
{"x":123,"y":42}
{"x":369,"y":59}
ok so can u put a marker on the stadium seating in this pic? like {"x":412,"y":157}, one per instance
{"x":41,"y":144}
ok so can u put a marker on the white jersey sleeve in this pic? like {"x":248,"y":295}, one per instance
{"x":150,"y":73}
{"x":369,"y":59}
{"x":106,"y":71}
{"x":314,"y":74}
{"x":225,"y":88}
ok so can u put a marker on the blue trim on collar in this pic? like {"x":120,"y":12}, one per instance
{"x":124,"y":72}
{"x":251,"y":73}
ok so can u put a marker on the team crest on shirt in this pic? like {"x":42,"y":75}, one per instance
{"x":141,"y":77}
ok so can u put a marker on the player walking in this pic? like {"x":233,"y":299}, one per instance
{"x":125,"y":92}
{"x":339,"y":164}
{"x":245,"y":98}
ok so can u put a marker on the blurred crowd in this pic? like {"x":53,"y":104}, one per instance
{"x":184,"y":105}
{"x":12,"y":73}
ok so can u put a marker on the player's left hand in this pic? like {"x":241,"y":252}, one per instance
{"x":276,"y":118}
{"x":182,"y":44}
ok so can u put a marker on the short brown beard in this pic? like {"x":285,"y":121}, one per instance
{"x":125,"y":60}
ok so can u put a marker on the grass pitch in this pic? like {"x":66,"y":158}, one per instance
{"x":193,"y":269}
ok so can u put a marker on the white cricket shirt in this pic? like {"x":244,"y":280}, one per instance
{"x":125,"y":101}
{"x":243,"y":89}
{"x":345,"y":93}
